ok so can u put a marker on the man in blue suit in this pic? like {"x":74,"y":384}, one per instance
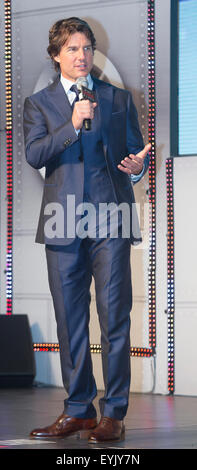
{"x":90,"y":167}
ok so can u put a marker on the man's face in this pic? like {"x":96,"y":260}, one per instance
{"x":76,"y":57}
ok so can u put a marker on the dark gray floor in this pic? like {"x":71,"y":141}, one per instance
{"x":152,"y":422}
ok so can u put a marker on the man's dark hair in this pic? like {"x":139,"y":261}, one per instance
{"x":60,"y":32}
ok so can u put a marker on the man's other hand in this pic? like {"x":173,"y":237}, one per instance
{"x":133,"y":164}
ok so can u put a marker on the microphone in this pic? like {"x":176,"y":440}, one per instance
{"x":85,"y":94}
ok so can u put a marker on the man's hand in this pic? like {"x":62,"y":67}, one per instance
{"x":83,"y":109}
{"x":133,"y":164}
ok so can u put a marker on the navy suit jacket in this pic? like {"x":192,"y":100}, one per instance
{"x":49,"y":134}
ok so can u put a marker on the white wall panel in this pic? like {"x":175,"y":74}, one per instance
{"x":185,"y":197}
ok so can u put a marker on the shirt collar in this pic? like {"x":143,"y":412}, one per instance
{"x":68,"y":83}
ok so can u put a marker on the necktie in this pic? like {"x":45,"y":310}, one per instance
{"x":75,"y":89}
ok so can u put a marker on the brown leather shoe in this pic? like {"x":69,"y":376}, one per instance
{"x":66,"y":426}
{"x":109,"y":429}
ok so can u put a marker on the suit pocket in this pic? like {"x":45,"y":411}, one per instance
{"x":118,"y":113}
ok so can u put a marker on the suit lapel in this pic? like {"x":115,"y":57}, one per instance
{"x":105,"y":100}
{"x":59,"y":99}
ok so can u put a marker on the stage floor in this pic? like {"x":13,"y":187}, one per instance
{"x":152,"y":422}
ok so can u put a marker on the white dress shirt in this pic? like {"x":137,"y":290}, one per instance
{"x":68,"y":83}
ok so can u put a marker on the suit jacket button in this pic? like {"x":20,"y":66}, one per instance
{"x":67,"y":142}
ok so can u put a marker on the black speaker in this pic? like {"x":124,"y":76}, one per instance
{"x":17,"y":362}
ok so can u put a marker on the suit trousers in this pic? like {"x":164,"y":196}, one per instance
{"x":70,"y":274}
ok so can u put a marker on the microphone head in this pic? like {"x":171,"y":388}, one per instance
{"x":81,"y":81}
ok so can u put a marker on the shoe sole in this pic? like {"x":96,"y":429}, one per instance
{"x":107,"y":441}
{"x":81,"y":434}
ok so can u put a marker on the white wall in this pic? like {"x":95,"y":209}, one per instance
{"x":185,"y":194}
{"x":162,"y":48}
